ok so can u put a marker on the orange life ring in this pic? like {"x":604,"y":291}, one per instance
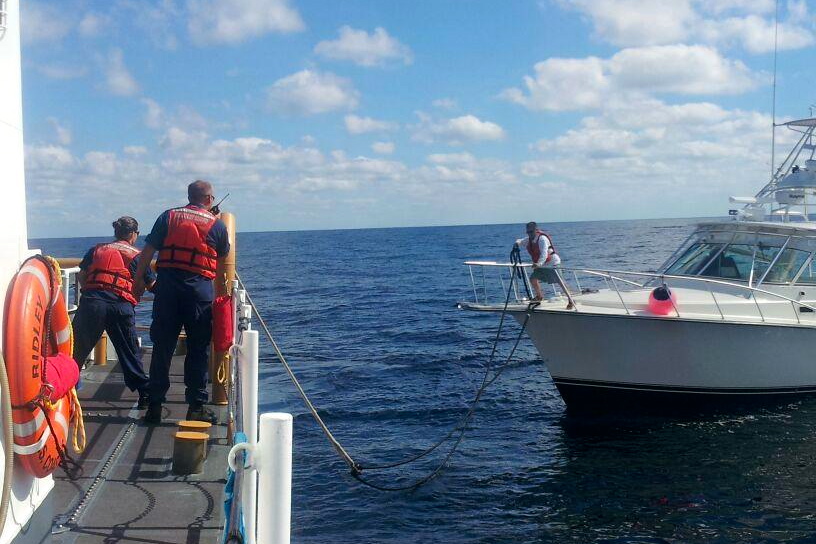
{"x":40,"y":428}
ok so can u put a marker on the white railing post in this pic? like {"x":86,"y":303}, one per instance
{"x":249,"y":392}
{"x":273,"y":458}
{"x":66,"y":285}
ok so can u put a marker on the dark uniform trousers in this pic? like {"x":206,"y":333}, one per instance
{"x":118,"y":318}
{"x":173,"y":308}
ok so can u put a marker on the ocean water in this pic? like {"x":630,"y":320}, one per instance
{"x":368,"y":321}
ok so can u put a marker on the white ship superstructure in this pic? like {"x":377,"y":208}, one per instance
{"x":28,"y":493}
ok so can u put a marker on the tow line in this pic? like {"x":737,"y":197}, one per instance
{"x":457,"y":432}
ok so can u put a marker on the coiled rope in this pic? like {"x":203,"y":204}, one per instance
{"x":458,"y":430}
{"x":72,"y":469}
{"x":77,"y":423}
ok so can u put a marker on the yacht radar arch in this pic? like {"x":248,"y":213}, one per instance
{"x":790,"y":195}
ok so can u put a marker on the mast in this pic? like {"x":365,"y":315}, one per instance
{"x":773,"y":106}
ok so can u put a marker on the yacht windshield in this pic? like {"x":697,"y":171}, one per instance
{"x":788,"y":264}
{"x":694,"y":259}
{"x":736,"y":262}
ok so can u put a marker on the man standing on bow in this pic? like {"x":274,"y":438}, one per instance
{"x":190,"y":240}
{"x":106,"y":275}
{"x":542,"y":252}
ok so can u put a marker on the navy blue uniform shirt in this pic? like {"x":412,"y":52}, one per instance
{"x":217,"y":238}
{"x":101,"y":294}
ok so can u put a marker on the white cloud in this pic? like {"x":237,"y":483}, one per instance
{"x":260,"y":173}
{"x":49,"y":158}
{"x":742,"y":6}
{"x":43,"y":23}
{"x":451,"y":158}
{"x":444,"y":104}
{"x":797,"y":10}
{"x":235,"y":21}
{"x":154,"y":114}
{"x":645,"y":147}
{"x":118,"y":79}
{"x":135,"y":150}
{"x":63,"y":72}
{"x":679,"y":69}
{"x":155,"y":20}
{"x":99,"y":163}
{"x":383,"y":148}
{"x":755,"y":34}
{"x":310,"y":92}
{"x":580,"y":84}
{"x":563,"y":84}
{"x":62,"y":135}
{"x":448,"y":170}
{"x":183,"y":117}
{"x":362,"y":125}
{"x":93,"y":24}
{"x":638,"y":22}
{"x":748,"y":24}
{"x":363,"y":49}
{"x":467,"y":128}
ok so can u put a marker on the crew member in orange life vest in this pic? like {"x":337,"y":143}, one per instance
{"x":189,"y":240}
{"x":542,"y":252}
{"x":107,"y":303}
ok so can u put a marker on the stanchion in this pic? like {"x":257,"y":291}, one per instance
{"x":273,"y":458}
{"x":224,"y":277}
{"x":101,"y":350}
{"x":249,"y":400}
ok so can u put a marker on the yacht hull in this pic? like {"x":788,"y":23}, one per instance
{"x":609,"y":361}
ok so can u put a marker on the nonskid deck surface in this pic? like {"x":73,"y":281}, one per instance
{"x":135,"y":497}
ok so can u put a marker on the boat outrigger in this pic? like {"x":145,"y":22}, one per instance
{"x":738,"y":326}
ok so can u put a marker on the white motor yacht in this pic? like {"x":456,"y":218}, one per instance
{"x":738,"y":325}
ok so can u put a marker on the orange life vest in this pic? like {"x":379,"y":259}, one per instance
{"x":533,"y":249}
{"x":110,"y":269}
{"x":185,"y":245}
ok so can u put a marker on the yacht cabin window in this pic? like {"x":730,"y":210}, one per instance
{"x":694,"y":259}
{"x":736,"y":262}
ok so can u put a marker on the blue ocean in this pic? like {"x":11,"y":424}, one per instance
{"x":369,"y":322}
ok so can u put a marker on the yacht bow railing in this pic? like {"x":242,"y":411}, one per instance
{"x":726,"y":299}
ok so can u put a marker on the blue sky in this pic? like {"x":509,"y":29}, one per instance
{"x":324,"y":114}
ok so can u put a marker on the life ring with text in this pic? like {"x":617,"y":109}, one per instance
{"x":36,"y":326}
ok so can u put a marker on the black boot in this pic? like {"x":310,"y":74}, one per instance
{"x":201,"y":413}
{"x":144,"y":400}
{"x":153,"y":416}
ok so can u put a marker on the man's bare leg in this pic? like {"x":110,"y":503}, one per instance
{"x":570,"y":304}
{"x":536,"y":288}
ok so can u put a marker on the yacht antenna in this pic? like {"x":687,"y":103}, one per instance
{"x":773,"y":107}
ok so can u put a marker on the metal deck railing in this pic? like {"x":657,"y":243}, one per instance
{"x":726,"y":299}
{"x":261,"y":507}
